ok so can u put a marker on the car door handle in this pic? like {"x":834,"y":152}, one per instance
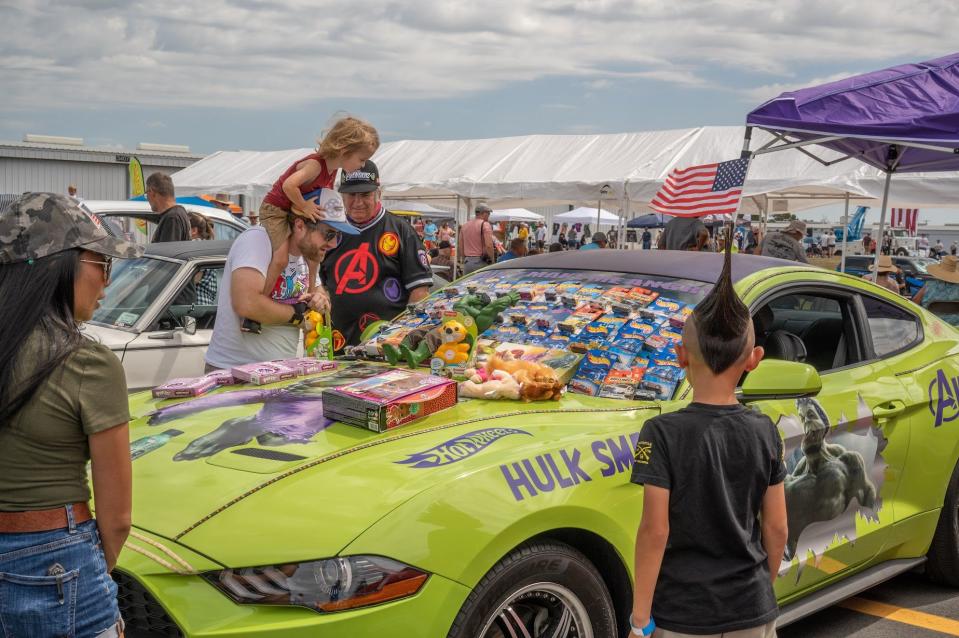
{"x":885,"y":411}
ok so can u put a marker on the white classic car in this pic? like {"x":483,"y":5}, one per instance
{"x":159,"y":310}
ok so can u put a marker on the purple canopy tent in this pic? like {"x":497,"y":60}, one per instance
{"x":901,"y":119}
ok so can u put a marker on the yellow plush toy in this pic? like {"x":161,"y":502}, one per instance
{"x":453,"y":349}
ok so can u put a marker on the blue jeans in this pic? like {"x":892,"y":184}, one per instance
{"x":55,"y":584}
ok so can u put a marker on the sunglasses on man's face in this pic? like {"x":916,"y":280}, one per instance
{"x":332,"y":236}
{"x":106,"y":264}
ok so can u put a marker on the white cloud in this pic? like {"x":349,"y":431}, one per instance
{"x":759,"y":94}
{"x":260,"y":54}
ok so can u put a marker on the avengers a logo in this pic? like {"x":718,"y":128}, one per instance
{"x":388,"y":244}
{"x":944,"y":398}
{"x":356,"y":271}
{"x":458,"y":448}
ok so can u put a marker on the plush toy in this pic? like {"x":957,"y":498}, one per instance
{"x":537,"y":382}
{"x":481,"y":384}
{"x":454,"y":348}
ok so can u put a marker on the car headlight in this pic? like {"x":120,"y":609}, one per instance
{"x":332,"y":584}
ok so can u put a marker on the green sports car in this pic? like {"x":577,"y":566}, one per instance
{"x":255,"y":515}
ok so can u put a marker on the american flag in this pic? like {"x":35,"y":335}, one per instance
{"x":905,"y":218}
{"x":710,"y":189}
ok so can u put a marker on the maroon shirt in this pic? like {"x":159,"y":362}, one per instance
{"x":278,"y":198}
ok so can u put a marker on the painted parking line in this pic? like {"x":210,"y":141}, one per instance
{"x":901,"y":615}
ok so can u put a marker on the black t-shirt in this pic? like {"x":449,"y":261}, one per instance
{"x":369,"y":276}
{"x":717,"y":462}
{"x":174,"y":225}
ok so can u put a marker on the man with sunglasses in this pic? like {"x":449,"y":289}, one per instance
{"x":375,"y":274}
{"x":278,"y":315}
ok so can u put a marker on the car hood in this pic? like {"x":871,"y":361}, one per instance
{"x":113,"y":338}
{"x":256,"y":475}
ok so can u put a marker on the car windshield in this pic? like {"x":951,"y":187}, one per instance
{"x":922,"y":264}
{"x":134,"y":285}
{"x":611,"y":334}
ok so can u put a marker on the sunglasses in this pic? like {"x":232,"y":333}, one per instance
{"x":332,"y":236}
{"x":106,"y":265}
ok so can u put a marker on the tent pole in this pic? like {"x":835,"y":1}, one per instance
{"x":845,"y":236}
{"x":882,"y":222}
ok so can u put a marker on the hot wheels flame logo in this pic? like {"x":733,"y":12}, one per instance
{"x":459,"y":448}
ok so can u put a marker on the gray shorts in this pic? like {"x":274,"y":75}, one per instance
{"x":764,"y":631}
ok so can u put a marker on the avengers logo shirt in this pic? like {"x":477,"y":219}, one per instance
{"x":369,"y":276}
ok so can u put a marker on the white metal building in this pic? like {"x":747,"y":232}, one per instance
{"x":51,"y":164}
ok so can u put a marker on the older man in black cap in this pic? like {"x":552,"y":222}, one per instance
{"x":373,"y":275}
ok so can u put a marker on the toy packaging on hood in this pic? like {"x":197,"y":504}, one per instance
{"x":263,"y":373}
{"x":505,"y":377}
{"x":317,"y":335}
{"x":188,"y":387}
{"x":561,"y":361}
{"x":222,"y":377}
{"x":621,"y":384}
{"x":389,"y":399}
{"x":306,"y":365}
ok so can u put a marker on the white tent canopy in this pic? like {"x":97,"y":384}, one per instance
{"x":540,"y":170}
{"x":586,"y":215}
{"x":515,"y":215}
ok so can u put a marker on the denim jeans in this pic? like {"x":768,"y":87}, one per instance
{"x":55,"y":584}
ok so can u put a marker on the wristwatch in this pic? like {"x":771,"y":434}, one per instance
{"x":644,"y":631}
{"x":299,"y":309}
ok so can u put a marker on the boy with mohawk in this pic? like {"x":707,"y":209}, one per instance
{"x":714,"y":511}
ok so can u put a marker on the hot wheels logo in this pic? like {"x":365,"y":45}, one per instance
{"x":459,"y":448}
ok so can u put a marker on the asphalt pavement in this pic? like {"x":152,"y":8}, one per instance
{"x":908,"y":606}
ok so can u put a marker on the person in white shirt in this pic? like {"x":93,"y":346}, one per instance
{"x":280,"y":313}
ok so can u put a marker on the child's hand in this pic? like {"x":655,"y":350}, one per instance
{"x":312,"y":211}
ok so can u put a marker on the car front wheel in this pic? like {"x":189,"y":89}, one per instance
{"x":540,"y":589}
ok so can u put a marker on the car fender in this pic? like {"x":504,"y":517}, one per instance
{"x":478,"y":515}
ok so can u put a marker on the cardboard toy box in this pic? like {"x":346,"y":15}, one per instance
{"x":263,"y":373}
{"x":389,"y":399}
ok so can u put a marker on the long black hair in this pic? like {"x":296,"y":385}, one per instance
{"x":37,"y":296}
{"x":722,"y":319}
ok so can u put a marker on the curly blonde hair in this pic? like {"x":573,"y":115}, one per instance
{"x":348,"y":135}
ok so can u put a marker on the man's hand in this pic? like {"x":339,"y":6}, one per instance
{"x":318,"y":300}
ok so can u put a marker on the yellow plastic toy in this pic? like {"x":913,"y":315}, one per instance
{"x":315,"y":329}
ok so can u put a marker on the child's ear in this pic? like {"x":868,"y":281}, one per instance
{"x":682,"y":355}
{"x":754,"y":358}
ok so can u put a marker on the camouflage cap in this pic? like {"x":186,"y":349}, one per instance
{"x":40,"y":224}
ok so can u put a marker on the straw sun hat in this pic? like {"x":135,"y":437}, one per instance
{"x":885,"y":265}
{"x":947,"y":270}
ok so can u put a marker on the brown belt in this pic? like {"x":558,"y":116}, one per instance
{"x":42,"y":520}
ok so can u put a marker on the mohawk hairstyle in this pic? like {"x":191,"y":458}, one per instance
{"x":722,"y":319}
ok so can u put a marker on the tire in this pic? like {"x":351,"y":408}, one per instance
{"x":942,"y":562}
{"x":537,"y":577}
{"x":902,"y":252}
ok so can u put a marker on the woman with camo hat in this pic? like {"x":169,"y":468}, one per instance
{"x":63,"y":402}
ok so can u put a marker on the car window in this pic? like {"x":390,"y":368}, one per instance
{"x":892,"y":327}
{"x":196,"y":298}
{"x":808,"y":328}
{"x":222,"y":230}
{"x":134,"y":285}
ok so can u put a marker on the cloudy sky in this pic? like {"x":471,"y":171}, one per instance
{"x":266,"y":74}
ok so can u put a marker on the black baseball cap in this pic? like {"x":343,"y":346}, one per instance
{"x":364,"y":180}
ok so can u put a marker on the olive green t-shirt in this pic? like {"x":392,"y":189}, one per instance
{"x":44,"y":448}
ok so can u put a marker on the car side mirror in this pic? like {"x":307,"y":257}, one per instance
{"x":189,"y":325}
{"x":773,"y":379}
